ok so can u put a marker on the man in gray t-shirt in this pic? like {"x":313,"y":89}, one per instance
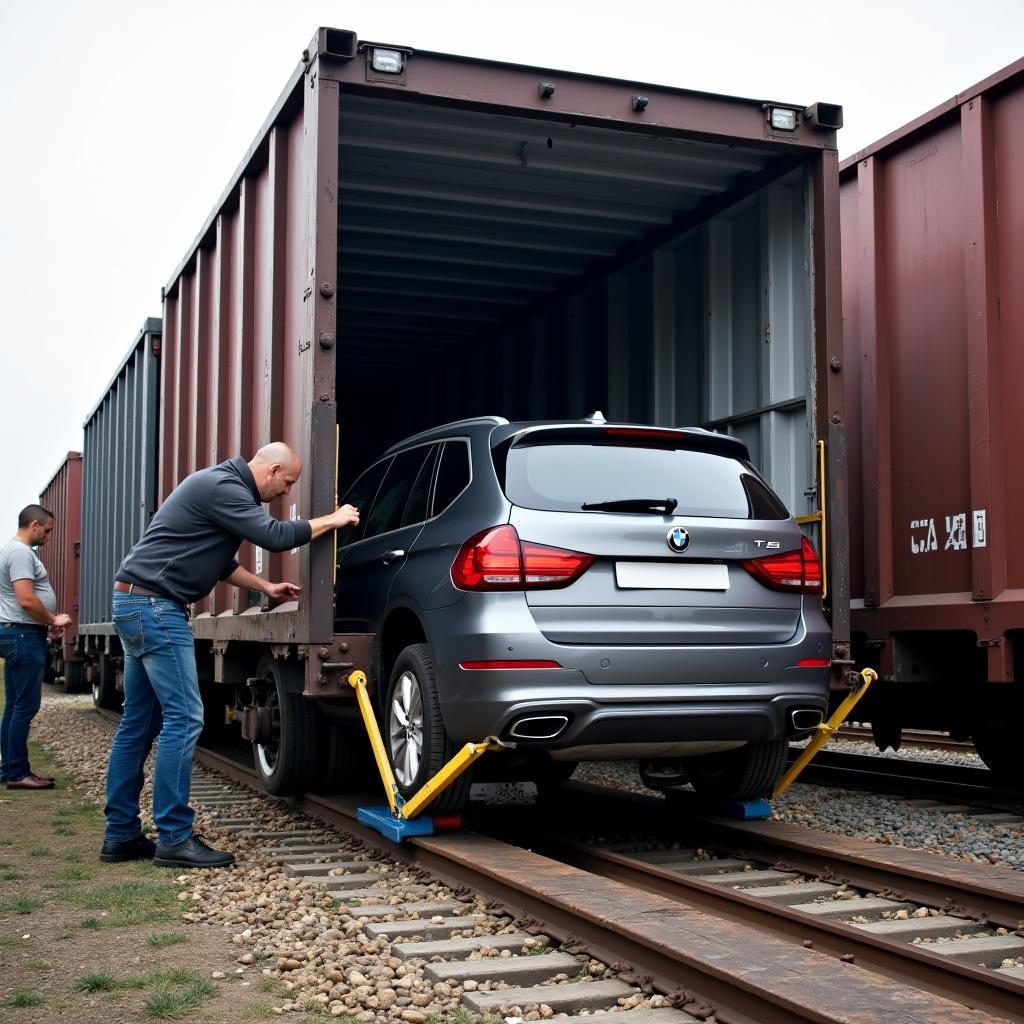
{"x":28,"y":607}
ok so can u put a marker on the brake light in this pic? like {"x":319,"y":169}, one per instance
{"x":645,"y":433}
{"x":796,"y":571}
{"x":813,"y":663}
{"x":477,"y":666}
{"x":496,"y":559}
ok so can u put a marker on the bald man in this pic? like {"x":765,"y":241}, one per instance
{"x":189,"y":545}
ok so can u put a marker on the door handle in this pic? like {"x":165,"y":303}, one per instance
{"x":392,"y":556}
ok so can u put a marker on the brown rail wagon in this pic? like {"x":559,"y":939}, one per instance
{"x":61,"y":555}
{"x":414,"y":238}
{"x":933,"y":253}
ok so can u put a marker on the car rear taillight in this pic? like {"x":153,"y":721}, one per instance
{"x":496,"y":559}
{"x":796,"y":571}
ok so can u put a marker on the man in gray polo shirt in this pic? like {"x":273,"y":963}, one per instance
{"x":28,"y":607}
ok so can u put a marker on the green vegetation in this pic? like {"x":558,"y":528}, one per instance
{"x":38,"y":965}
{"x":39,"y":851}
{"x":98,"y":981}
{"x":23,"y":997}
{"x":165,"y":939}
{"x":173,"y":1002}
{"x":90,"y":922}
{"x":20,"y":906}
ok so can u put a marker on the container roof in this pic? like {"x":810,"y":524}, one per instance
{"x":452,"y":221}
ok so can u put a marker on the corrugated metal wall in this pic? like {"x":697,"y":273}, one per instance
{"x":60,"y":554}
{"x":120,"y":454}
{"x":713,"y":330}
{"x":933,"y":230}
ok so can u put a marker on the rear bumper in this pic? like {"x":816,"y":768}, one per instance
{"x":612,"y":696}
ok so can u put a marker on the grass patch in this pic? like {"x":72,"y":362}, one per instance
{"x":460,"y":1015}
{"x":73,"y":874}
{"x":23,"y":997}
{"x":166,"y":939}
{"x":64,"y":936}
{"x":90,"y":923}
{"x":262,"y":957}
{"x":24,"y":905}
{"x":538,"y":950}
{"x":73,"y":856}
{"x":171,"y":1002}
{"x":10,"y":876}
{"x":97,"y":981}
{"x":39,"y":851}
{"x":129,"y":903}
{"x":264,"y":1011}
{"x":39,"y":965}
{"x":8,"y":940}
{"x":269,"y":985}
{"x":4,"y":865}
{"x":61,"y":829}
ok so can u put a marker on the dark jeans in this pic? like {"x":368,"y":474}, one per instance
{"x":161,"y":698}
{"x":23,"y":650}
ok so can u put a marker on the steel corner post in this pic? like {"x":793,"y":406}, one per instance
{"x":824,"y":732}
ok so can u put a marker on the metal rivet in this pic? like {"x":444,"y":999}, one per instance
{"x":640,"y":102}
{"x":545,"y":90}
{"x":327,"y":289}
{"x":326,"y":341}
{"x":836,"y":364}
{"x":836,"y":418}
{"x":324,"y":397}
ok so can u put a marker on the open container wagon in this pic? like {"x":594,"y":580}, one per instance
{"x":933,"y":246}
{"x":415,"y":238}
{"x":61,"y":557}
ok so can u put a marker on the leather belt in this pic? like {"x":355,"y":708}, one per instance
{"x":134,"y":588}
{"x":22,"y":625}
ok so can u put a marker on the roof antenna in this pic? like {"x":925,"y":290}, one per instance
{"x":598,"y":417}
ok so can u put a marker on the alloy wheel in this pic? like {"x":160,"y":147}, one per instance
{"x":405,"y":728}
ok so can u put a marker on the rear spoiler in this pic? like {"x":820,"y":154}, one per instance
{"x":626,"y":435}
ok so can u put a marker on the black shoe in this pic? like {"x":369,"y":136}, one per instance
{"x":139,"y":848}
{"x":191,"y":853}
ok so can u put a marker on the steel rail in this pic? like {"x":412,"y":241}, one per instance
{"x":910,"y":739}
{"x":902,"y":961}
{"x":628,"y":921}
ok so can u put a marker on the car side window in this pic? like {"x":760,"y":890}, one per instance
{"x":361,"y":494}
{"x":453,"y":475}
{"x":386,"y":514}
{"x":416,"y":507}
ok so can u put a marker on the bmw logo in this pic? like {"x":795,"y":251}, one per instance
{"x":678,"y":539}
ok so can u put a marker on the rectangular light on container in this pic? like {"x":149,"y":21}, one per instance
{"x":389,"y":61}
{"x":783,"y":119}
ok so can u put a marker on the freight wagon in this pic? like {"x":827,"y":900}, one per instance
{"x":415,"y":238}
{"x":933,"y":250}
{"x":118,"y":500}
{"x":61,"y":555}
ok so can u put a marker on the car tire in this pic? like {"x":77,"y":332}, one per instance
{"x":104,"y":685}
{"x":287,"y":763}
{"x":419,"y":745}
{"x":663,"y":773}
{"x":74,"y":676}
{"x":747,"y":773}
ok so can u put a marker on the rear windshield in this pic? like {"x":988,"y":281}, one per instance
{"x":564,"y":477}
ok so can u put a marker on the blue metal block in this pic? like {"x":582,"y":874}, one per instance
{"x":745,"y":810}
{"x":395,"y":829}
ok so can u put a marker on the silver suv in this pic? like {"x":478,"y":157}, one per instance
{"x":585,"y":591}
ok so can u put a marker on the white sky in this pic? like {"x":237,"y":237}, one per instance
{"x":122,"y":122}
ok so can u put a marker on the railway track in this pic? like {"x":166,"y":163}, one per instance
{"x":907,"y":777}
{"x":744,"y":922}
{"x":910,"y":739}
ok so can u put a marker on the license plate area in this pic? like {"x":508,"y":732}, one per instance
{"x":669,"y":576}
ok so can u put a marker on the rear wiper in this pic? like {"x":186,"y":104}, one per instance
{"x":662,"y":506}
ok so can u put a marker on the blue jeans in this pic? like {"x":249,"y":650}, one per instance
{"x":161,"y":698}
{"x":23,"y":650}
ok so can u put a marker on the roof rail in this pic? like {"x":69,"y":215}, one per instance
{"x":473,"y":421}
